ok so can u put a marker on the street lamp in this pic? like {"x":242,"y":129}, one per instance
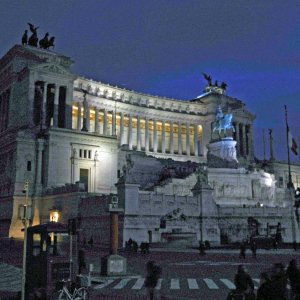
{"x":26,"y":216}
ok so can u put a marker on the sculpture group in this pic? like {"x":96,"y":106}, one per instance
{"x":209,"y":81}
{"x":33,"y":40}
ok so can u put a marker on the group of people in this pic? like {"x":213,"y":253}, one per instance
{"x":132,"y":245}
{"x":273,"y":285}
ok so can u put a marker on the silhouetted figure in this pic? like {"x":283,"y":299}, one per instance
{"x":81,"y":261}
{"x":216,"y":83}
{"x":243,"y":250}
{"x":223,"y":85}
{"x":243,"y":282}
{"x":51,"y":43}
{"x":25,"y":38}
{"x":44,"y":41}
{"x":91,"y":242}
{"x":208,"y":78}
{"x":33,"y":40}
{"x":277,"y":288}
{"x":295,"y":245}
{"x":32,"y":28}
{"x":153,"y":274}
{"x":293,"y":274}
{"x":253,"y":249}
{"x":263,"y":290}
{"x":201,"y":248}
{"x":135,"y":246}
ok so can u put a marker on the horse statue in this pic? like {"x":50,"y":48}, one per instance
{"x":224,"y":124}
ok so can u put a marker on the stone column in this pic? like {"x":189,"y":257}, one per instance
{"x":31,"y":94}
{"x":155,"y":136}
{"x":238,"y":142}
{"x":130,"y":133}
{"x":114,"y":131}
{"x":121,"y":128}
{"x":251,"y":144}
{"x":55,"y":112}
{"x":188,"y":149}
{"x":138,"y":133}
{"x":44,"y":105}
{"x":179,"y":139}
{"x":196,"y":140}
{"x":40,"y":148}
{"x":69,"y":106}
{"x":79,"y":118}
{"x":97,"y":128}
{"x":105,"y":122}
{"x":171,"y":137}
{"x":146,"y":134}
{"x":88,"y":112}
{"x":163,"y":137}
{"x":244,"y":139}
{"x":114,"y":233}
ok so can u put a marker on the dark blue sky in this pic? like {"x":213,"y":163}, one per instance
{"x":162,"y":47}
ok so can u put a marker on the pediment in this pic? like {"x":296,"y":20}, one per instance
{"x":53,"y":69}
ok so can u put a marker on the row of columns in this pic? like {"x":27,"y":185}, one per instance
{"x":243,"y":136}
{"x":129,"y":140}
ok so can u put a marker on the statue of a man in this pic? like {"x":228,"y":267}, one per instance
{"x":219,"y":115}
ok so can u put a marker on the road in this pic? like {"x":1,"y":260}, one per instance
{"x":187,"y":275}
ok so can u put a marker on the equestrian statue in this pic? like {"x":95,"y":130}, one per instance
{"x":222,"y":122}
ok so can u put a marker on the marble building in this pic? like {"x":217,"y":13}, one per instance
{"x":69,"y":138}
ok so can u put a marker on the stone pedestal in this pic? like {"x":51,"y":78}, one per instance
{"x":222,"y":153}
{"x":113,"y":265}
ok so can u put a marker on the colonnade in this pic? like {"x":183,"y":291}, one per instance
{"x":243,"y":135}
{"x":141,"y":132}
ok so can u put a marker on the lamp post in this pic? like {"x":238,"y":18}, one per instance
{"x":25,"y":218}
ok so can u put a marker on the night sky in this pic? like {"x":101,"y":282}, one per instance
{"x":162,"y":48}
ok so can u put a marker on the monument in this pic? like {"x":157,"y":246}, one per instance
{"x":222,"y":150}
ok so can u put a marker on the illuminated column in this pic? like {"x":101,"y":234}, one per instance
{"x":31,"y":95}
{"x":146,"y":134}
{"x":130,"y":133}
{"x":163,"y":137}
{"x":179,"y":139}
{"x":188,"y":150}
{"x":97,"y":128}
{"x":79,"y":119}
{"x":44,"y":107}
{"x":105,"y":122}
{"x":196,"y":140}
{"x":40,"y":148}
{"x":121,"y":128}
{"x":138,"y":133}
{"x":171,"y":137}
{"x":155,"y":136}
{"x":55,"y":111}
{"x":244,"y":139}
{"x":237,"y":130}
{"x":114,"y":132}
{"x":88,"y":112}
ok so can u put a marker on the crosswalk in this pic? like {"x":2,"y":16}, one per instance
{"x":172,"y":283}
{"x":10,"y":278}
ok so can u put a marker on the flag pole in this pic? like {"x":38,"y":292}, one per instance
{"x":290,"y":183}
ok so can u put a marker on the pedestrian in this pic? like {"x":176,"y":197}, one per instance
{"x":244,"y":282}
{"x":153,"y":274}
{"x":277,"y":289}
{"x":135,"y":246}
{"x":263,"y":290}
{"x":201,"y":248}
{"x":91,"y":241}
{"x":243,"y":250}
{"x":293,"y":275}
{"x":295,"y":245}
{"x":253,"y":249}
{"x":81,"y":260}
{"x":275,"y":244}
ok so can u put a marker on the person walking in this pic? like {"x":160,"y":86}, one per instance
{"x":263,"y":290}
{"x":244,"y":282}
{"x":243,"y":250}
{"x":293,"y":275}
{"x":153,"y":274}
{"x":253,"y":249}
{"x":277,"y":288}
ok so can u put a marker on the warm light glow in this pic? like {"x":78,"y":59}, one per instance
{"x":54,"y":216}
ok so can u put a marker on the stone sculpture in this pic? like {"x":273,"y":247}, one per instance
{"x":222,"y":122}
